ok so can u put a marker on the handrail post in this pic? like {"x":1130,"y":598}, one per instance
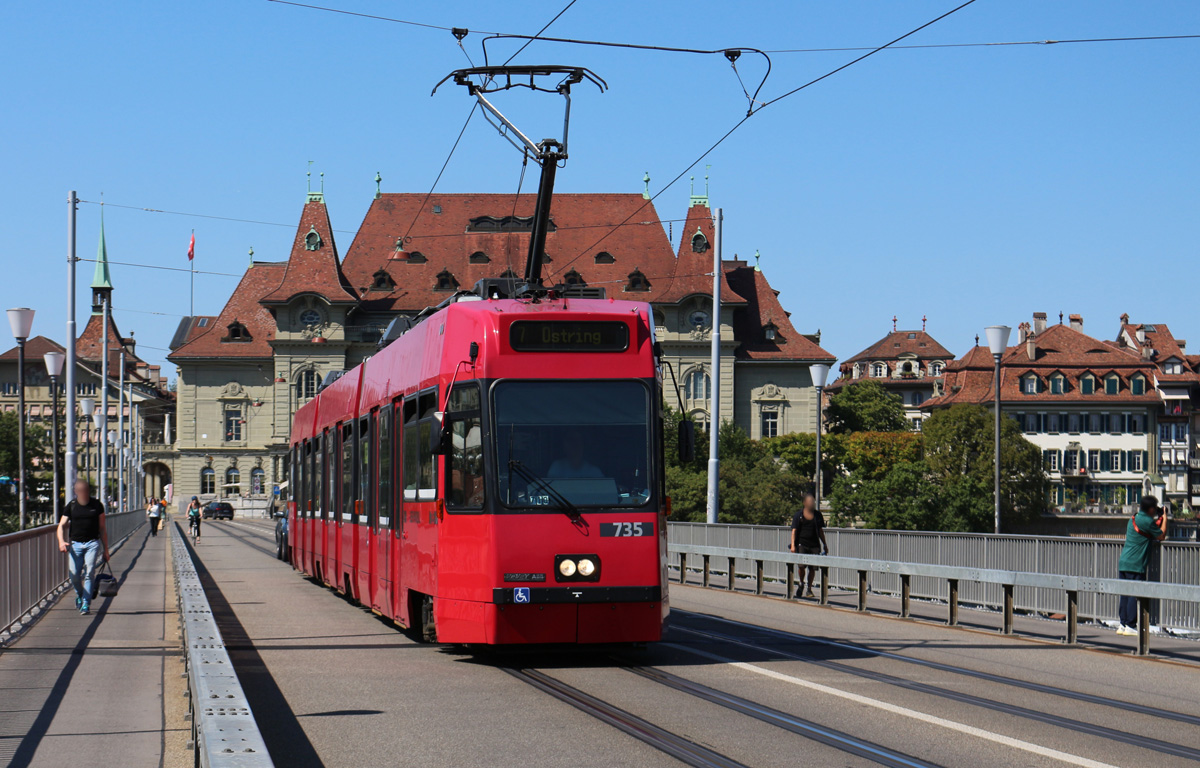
{"x":732,"y":569}
{"x":1008,"y":609}
{"x":1072,"y":617}
{"x":758,"y":577}
{"x":862,"y":591}
{"x":682,"y":567}
{"x":952,"y":620}
{"x":1143,"y":626}
{"x":824,"y":585}
{"x":905,"y":596}
{"x":791,"y":581}
{"x":706,"y":573}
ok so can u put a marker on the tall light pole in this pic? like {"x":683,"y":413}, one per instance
{"x":820,"y":373}
{"x":997,"y":339}
{"x":69,"y":459}
{"x":121,"y":477}
{"x":87,"y":406}
{"x":98,"y":438}
{"x":102,"y":422}
{"x":21,"y":320}
{"x":54,"y":366}
{"x":714,"y":420}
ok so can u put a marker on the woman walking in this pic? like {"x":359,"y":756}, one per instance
{"x":83,"y":536}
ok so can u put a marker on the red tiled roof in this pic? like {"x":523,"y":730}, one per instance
{"x":1165,"y":347}
{"x":35,"y":347}
{"x":243,"y":306}
{"x":898,"y":343}
{"x":693,"y":271}
{"x":313,"y":271}
{"x":762,"y":307}
{"x":580,"y":221}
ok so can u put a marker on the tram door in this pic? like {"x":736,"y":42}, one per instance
{"x":381,"y":544}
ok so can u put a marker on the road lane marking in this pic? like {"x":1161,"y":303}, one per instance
{"x":953,"y":725}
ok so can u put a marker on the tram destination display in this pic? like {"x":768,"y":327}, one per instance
{"x":568,"y":336}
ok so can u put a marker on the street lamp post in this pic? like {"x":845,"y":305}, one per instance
{"x":820,"y":372}
{"x":54,"y":366}
{"x":87,"y":406}
{"x":98,"y":436}
{"x":21,"y":320}
{"x":997,"y":339}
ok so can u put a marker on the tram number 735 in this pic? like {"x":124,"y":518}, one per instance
{"x":627,"y":529}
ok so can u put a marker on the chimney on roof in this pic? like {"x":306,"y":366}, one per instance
{"x":1182,"y":344}
{"x":1077,"y":323}
{"x":1141,"y":335}
{"x":1124,"y":318}
{"x":1147,"y":352}
{"x":1031,"y":346}
{"x":1039,"y":323}
{"x":1022,"y":333}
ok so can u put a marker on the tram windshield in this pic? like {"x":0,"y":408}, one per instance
{"x":573,"y":443}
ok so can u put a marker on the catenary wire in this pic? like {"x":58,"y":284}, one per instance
{"x":369,"y":16}
{"x":985,"y":45}
{"x":201,"y":215}
{"x":160,"y":266}
{"x":743,"y":121}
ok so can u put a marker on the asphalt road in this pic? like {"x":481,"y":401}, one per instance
{"x":739,"y":680}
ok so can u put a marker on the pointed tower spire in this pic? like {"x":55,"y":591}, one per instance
{"x":102,"y":281}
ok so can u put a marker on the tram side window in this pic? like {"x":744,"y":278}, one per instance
{"x":428,"y":405}
{"x":347,"y":489}
{"x":464,"y":484}
{"x":412,"y":457}
{"x":298,"y":479}
{"x":384,"y":451}
{"x":318,"y":475}
{"x":364,"y":470}
{"x":306,"y":480}
{"x":420,"y":475}
{"x":329,"y":463}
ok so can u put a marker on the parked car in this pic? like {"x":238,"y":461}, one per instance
{"x":217,"y":510}
{"x":282,"y":551}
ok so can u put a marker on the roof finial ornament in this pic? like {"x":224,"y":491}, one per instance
{"x":706,"y":169}
{"x":309,"y":174}
{"x":252,"y":255}
{"x":977,"y":339}
{"x":646,"y":181}
{"x":756,"y":258}
{"x":692,"y":190}
{"x":1060,"y":317}
{"x":322,"y":182}
{"x":378,"y":179}
{"x":894,"y":321}
{"x":924,"y":319}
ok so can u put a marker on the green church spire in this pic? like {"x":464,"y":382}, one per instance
{"x":102,"y":282}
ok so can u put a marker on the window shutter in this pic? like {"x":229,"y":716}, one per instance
{"x":1105,"y":462}
{"x":1145,"y":461}
{"x":1046,"y":460}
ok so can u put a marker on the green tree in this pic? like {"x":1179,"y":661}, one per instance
{"x":9,"y":510}
{"x":798,"y":451}
{"x":873,"y":454}
{"x":865,"y":406}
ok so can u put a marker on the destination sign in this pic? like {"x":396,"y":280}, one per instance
{"x":568,"y":336}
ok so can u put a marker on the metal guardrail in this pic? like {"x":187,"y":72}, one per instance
{"x":33,"y":572}
{"x":1178,"y":563}
{"x":224,"y":731}
{"x":1006,"y":581}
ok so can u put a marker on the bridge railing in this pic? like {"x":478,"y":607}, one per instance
{"x":955,"y":577}
{"x":32,"y":570}
{"x":224,"y":731}
{"x":1178,"y":562}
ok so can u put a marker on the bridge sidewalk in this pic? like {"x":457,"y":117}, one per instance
{"x":89,"y":689}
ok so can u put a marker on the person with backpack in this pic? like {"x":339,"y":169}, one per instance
{"x":82,"y":534}
{"x":154,"y":514}
{"x":1148,"y":525}
{"x":193,"y":516}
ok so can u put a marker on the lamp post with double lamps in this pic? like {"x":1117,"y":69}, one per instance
{"x":820,"y":372}
{"x":54,"y":366}
{"x":21,"y":320}
{"x":997,"y":339}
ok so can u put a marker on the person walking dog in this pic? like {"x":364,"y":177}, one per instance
{"x":82,"y":534}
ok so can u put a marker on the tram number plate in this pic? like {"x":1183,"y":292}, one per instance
{"x":627,"y":529}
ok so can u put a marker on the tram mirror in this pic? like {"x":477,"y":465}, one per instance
{"x":439,"y":438}
{"x":687,"y":442}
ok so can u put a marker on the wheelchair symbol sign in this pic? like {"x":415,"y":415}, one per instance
{"x":521,"y":595}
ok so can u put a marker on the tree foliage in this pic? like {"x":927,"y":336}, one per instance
{"x":865,"y":406}
{"x":9,"y":467}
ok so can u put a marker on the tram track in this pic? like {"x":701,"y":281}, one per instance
{"x":1123,"y":706}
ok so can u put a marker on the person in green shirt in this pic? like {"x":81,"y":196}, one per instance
{"x":1148,"y":525}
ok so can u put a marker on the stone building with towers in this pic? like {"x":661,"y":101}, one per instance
{"x":243,"y":372}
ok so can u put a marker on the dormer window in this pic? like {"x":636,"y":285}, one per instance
{"x":446,"y":281}
{"x":1137,"y":385}
{"x":604,"y":257}
{"x":857,"y":371}
{"x":1112,"y":384}
{"x":312,"y":241}
{"x":637,"y":282}
{"x":1057,"y":385}
{"x":573,"y":278}
{"x":769,"y":331}
{"x":1172,"y":367}
{"x":237,"y":331}
{"x":479,"y":257}
{"x":936,"y":369}
{"x":1029,"y":384}
{"x":1087,"y":385}
{"x":699,"y":242}
{"x":382,"y":281}
{"x":879,"y":370}
{"x":416,"y":257}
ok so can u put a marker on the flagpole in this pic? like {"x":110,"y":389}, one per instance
{"x":192,"y":268}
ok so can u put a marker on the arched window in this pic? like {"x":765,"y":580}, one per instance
{"x":604,"y":257}
{"x":936,"y":369}
{"x":700,"y":418}
{"x":446,"y":281}
{"x":907,"y":367}
{"x":382,"y":281}
{"x":208,"y":481}
{"x":416,"y":257}
{"x":312,"y":241}
{"x":697,"y":385}
{"x":857,"y":370}
{"x":660,"y":320}
{"x":637,"y":282}
{"x":233,"y":482}
{"x":699,"y":242}
{"x":237,"y":331}
{"x":306,"y":385}
{"x":879,"y":370}
{"x":257,"y":481}
{"x":479,"y":257}
{"x":573,"y":278}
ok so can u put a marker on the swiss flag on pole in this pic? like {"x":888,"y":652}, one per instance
{"x":192,"y":248}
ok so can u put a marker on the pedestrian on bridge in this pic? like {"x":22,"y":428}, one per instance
{"x":1146,"y":527}
{"x":808,"y":538}
{"x":154,"y":515}
{"x":82,"y":522}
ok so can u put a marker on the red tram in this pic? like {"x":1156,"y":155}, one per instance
{"x":494,"y":475}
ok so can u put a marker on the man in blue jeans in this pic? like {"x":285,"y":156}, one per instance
{"x":83,"y":535}
{"x":1148,"y":525}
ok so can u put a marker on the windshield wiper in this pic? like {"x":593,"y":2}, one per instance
{"x":563,"y":503}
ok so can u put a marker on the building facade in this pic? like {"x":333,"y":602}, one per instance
{"x":243,"y":373}
{"x":906,"y":363}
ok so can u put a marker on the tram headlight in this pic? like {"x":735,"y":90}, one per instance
{"x":586,"y":567}
{"x":567,"y":567}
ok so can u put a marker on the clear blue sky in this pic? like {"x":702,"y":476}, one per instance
{"x":972,"y":185}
